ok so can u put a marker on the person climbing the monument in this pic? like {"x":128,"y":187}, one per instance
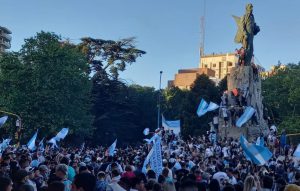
{"x":215,"y":121}
{"x":255,"y":71}
{"x":232,"y":111}
{"x":224,"y":99}
{"x":225,"y":115}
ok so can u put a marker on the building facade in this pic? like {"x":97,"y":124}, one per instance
{"x":5,"y":39}
{"x":186,"y":77}
{"x":220,"y":63}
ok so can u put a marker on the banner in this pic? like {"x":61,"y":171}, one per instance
{"x":249,"y":111}
{"x":156,"y":158}
{"x":171,"y":125}
{"x":147,"y":160}
{"x":31,"y":143}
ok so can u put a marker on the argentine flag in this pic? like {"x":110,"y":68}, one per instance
{"x":171,"y":125}
{"x":31,"y":143}
{"x":3,"y":120}
{"x":111,"y":149}
{"x":62,"y":134}
{"x":258,"y":154}
{"x":260,"y":141}
{"x":204,"y":107}
{"x":297,"y":152}
{"x":249,"y":111}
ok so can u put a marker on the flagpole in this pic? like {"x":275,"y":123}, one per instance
{"x":159,"y":96}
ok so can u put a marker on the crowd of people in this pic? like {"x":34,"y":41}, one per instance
{"x":194,"y":164}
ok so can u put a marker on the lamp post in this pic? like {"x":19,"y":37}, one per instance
{"x":159,"y":96}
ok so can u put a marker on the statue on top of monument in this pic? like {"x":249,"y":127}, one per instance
{"x":247,"y":28}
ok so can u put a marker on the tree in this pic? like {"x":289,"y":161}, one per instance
{"x":281,"y":94}
{"x":112,"y":107}
{"x":183,"y":104}
{"x":47,"y":84}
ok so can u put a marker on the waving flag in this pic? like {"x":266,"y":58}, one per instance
{"x":4,"y":145}
{"x":297,"y":152}
{"x":260,"y":141}
{"x":171,"y":125}
{"x":31,"y":143}
{"x":53,"y":141}
{"x":249,"y":111}
{"x":202,"y":108}
{"x":41,"y":145}
{"x":146,"y":131}
{"x":258,"y":154}
{"x":111,"y":149}
{"x":212,"y":106}
{"x":3,"y":120}
{"x":62,"y":134}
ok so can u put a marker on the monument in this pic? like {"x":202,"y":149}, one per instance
{"x":244,"y":83}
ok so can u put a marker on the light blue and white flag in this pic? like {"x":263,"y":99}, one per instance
{"x":147,"y":160}
{"x":62,"y":134}
{"x":31,"y":143}
{"x":171,"y":125}
{"x":177,"y":166}
{"x":4,"y":144}
{"x":202,"y":108}
{"x":111,"y":149}
{"x":53,"y":141}
{"x":3,"y":120}
{"x":260,"y":141}
{"x":212,"y":106}
{"x":249,"y":111}
{"x":41,"y":145}
{"x":258,"y":154}
{"x":297,"y":152}
{"x":146,"y":131}
{"x":156,"y":158}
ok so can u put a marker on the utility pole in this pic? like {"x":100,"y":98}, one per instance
{"x":159,"y":99}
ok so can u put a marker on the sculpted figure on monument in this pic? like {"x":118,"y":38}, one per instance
{"x":247,"y":29}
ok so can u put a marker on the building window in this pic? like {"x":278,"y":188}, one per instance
{"x":229,"y":63}
{"x":205,"y":66}
{"x":214,"y":65}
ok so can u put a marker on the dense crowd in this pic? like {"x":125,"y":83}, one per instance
{"x":197,"y":163}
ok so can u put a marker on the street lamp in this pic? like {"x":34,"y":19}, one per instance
{"x":159,"y":95}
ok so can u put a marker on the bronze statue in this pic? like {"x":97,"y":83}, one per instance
{"x":247,"y":28}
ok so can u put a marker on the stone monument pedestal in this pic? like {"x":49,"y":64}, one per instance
{"x":243,"y":78}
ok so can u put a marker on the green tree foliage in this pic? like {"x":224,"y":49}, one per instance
{"x":281,"y":94}
{"x":108,"y":56}
{"x":183,"y":104}
{"x":47,"y":84}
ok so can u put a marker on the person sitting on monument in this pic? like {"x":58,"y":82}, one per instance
{"x":225,"y":115}
{"x":224,"y":99}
